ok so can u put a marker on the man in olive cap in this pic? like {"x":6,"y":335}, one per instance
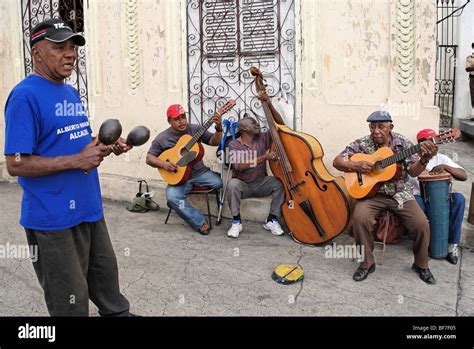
{"x":395,"y":195}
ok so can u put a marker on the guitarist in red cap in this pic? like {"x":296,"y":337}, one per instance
{"x":201,"y":176}
{"x":438,"y":164}
{"x":394,"y":195}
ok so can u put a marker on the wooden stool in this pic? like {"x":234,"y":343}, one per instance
{"x":382,"y":243}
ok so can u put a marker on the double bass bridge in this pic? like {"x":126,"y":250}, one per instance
{"x":293,"y":187}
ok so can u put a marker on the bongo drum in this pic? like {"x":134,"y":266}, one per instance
{"x":435,"y":193}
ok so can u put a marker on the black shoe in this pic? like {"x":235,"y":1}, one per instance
{"x":425,"y":274}
{"x":452,"y":258}
{"x":362,"y":273}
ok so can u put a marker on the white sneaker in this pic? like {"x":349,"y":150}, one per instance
{"x":235,"y":230}
{"x":274,"y":227}
{"x":453,"y":248}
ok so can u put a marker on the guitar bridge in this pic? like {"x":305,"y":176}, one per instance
{"x":175,"y":171}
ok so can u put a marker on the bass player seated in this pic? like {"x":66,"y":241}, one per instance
{"x":200,"y":176}
{"x":251,"y":151}
{"x":394,"y":195}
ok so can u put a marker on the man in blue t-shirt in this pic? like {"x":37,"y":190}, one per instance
{"x":48,"y":145}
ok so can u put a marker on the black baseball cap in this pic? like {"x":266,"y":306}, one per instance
{"x":55,"y":30}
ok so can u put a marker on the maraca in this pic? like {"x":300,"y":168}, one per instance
{"x":109,"y":132}
{"x":138,"y":136}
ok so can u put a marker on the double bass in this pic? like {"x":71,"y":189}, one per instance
{"x":317,"y":207}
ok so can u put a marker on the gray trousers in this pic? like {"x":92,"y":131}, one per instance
{"x":76,"y":264}
{"x":269,"y":185}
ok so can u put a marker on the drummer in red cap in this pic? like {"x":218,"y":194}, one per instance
{"x":442,"y":163}
{"x":201,"y":176}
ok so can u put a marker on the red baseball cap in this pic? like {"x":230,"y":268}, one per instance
{"x":426,"y":134}
{"x":175,"y":110}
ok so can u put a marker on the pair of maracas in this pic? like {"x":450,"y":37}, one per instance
{"x":111,"y":130}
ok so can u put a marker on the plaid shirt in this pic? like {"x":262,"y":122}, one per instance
{"x":401,"y":190}
{"x":242,"y":153}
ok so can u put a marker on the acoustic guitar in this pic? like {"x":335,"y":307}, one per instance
{"x":386,"y":166}
{"x":187,"y":151}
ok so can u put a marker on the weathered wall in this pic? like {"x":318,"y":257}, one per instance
{"x":353,"y":57}
{"x":361,"y":56}
{"x":11,"y":64}
{"x":462,"y":97}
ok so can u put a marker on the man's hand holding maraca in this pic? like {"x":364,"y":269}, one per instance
{"x":120,"y":146}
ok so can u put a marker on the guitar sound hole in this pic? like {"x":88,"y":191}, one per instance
{"x":183,"y":151}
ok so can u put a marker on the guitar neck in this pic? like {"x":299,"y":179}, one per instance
{"x":200,"y":133}
{"x":400,"y":156}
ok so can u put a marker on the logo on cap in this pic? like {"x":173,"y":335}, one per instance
{"x":55,"y":30}
{"x":175,"y":110}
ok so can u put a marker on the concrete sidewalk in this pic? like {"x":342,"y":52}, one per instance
{"x":171,"y":270}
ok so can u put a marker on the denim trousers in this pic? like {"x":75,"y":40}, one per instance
{"x":456,"y":214}
{"x":177,"y":197}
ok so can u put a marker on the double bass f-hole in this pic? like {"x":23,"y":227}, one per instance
{"x":323,"y":188}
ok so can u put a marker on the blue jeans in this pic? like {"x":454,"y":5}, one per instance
{"x":456,"y":214}
{"x":177,"y":197}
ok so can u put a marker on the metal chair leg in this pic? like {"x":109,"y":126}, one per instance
{"x":218,"y":221}
{"x":168,"y":216}
{"x":208,"y":212}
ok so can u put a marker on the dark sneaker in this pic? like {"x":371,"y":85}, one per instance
{"x":204,"y":229}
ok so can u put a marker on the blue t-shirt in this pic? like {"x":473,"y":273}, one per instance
{"x":47,"y":119}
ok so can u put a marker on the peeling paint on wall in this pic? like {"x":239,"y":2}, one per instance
{"x":327,"y":61}
{"x":425,"y":70}
{"x":385,"y":61}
